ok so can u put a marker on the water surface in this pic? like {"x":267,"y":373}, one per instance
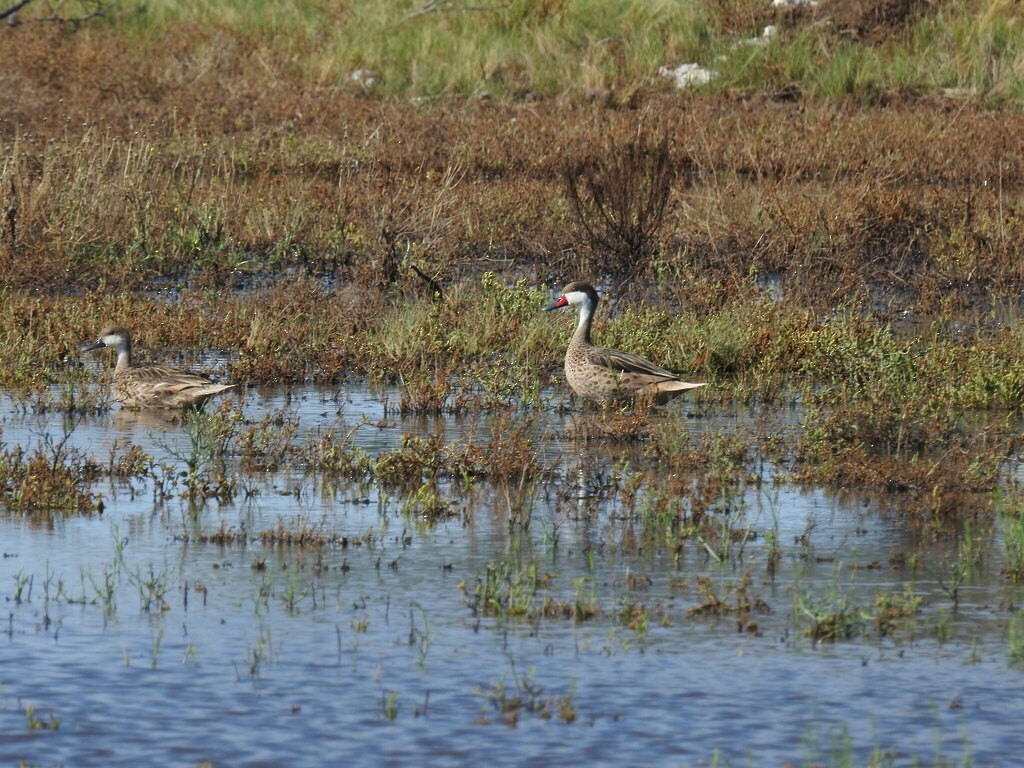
{"x":152,"y":647}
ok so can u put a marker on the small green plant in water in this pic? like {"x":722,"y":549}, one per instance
{"x":944,"y":626}
{"x":152,"y":587}
{"x":36,"y":723}
{"x":154,"y":653}
{"x":829,"y":619}
{"x":528,"y":696}
{"x":1011,"y":515}
{"x":106,"y":591}
{"x":419,"y":637}
{"x":891,"y":608}
{"x":293,"y":593}
{"x":257,"y":656}
{"x":210,"y":438}
{"x":427,"y":504}
{"x":389,"y":705}
{"x":508,"y":590}
{"x":21,"y":581}
{"x":1015,"y":638}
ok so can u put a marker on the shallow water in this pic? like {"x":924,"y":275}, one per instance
{"x":373,"y":655}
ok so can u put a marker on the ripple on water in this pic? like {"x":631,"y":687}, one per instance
{"x":245,"y":675}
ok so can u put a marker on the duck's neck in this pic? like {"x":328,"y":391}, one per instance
{"x":124,"y":360}
{"x":582,"y":334}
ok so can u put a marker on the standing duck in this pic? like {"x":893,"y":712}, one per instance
{"x":154,"y":386}
{"x":608,"y":375}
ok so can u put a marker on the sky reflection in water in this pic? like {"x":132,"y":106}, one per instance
{"x":372,"y":655}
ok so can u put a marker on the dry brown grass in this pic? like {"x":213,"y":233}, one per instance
{"x":193,"y":163}
{"x":208,"y":194}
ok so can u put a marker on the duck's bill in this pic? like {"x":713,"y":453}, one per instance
{"x":561,"y":302}
{"x":91,"y":346}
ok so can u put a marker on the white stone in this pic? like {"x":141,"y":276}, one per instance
{"x":686,"y":75}
{"x":365,"y":77}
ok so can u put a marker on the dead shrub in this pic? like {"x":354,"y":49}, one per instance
{"x":618,"y":198}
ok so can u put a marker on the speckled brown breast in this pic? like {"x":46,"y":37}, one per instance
{"x":589,"y":381}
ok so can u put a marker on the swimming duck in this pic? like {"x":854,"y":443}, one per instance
{"x":608,"y":375}
{"x":152,"y":386}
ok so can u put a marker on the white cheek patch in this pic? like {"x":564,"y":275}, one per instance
{"x":576,"y":298}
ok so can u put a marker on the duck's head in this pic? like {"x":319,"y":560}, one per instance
{"x":114,"y":336}
{"x":578,"y":294}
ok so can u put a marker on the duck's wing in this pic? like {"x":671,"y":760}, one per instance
{"x":169,"y":379}
{"x":158,"y":387}
{"x":626,"y":362}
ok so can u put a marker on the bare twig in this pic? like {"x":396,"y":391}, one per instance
{"x":435,"y":287}
{"x":13,"y":9}
{"x":430,"y":7}
{"x":99,"y":9}
{"x":11,"y":215}
{"x":439,"y":5}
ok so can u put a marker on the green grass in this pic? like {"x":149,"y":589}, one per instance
{"x":505,"y":49}
{"x":973,"y":49}
{"x":583,"y":47}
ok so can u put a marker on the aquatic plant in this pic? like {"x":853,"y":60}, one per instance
{"x":635,"y":616}
{"x":131,"y":462}
{"x":211,"y":436}
{"x":1015,"y":640}
{"x":960,"y":568}
{"x":520,"y":591}
{"x":154,"y":651}
{"x":507,"y":590}
{"x":389,"y":705}
{"x":333,"y":454}
{"x":425,"y":503}
{"x":831,"y":617}
{"x":268,"y":444}
{"x":743,"y":605}
{"x":106,"y":590}
{"x":36,"y":723}
{"x":293,"y":593}
{"x":509,"y":453}
{"x":828,"y":619}
{"x":21,"y":581}
{"x":419,"y":637}
{"x":891,"y":608}
{"x":1011,"y":517}
{"x":526,"y":695}
{"x":152,"y":586}
{"x":48,"y":480}
{"x":300,"y":532}
{"x":261,"y":653}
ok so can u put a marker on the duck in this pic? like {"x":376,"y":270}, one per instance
{"x":606,"y":376}
{"x":151,"y":386}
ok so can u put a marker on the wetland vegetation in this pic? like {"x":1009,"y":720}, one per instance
{"x":355,"y":212}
